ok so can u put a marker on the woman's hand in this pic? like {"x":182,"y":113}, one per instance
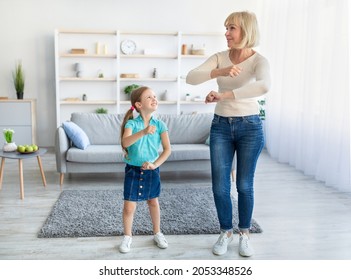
{"x":213,"y":96}
{"x":231,"y":71}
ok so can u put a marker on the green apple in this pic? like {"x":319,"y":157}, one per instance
{"x":35,"y":147}
{"x":21,"y":149}
{"x":29,"y":149}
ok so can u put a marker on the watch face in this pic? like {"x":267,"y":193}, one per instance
{"x":128,"y":46}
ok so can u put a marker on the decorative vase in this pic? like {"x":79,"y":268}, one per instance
{"x":19,"y":95}
{"x":10,"y":147}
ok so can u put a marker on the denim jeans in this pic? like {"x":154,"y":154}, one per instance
{"x":242,"y":136}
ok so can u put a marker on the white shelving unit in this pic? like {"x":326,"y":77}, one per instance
{"x":160,"y":50}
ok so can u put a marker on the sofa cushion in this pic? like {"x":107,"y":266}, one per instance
{"x":189,"y":152}
{"x":76,"y":135}
{"x":188,"y":129}
{"x":96,"y":154}
{"x":114,"y":153}
{"x":102,"y":129}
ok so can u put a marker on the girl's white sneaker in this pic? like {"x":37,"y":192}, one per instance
{"x":125,"y":245}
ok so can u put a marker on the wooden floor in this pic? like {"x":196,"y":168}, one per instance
{"x":302,"y":219}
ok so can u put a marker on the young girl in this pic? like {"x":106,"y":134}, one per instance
{"x":141,"y":138}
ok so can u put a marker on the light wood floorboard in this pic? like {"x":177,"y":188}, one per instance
{"x":302,"y":219}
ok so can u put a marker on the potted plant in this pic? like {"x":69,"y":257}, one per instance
{"x":130,"y":88}
{"x":9,"y":146}
{"x":262,"y":114}
{"x":262,"y":104}
{"x":101,"y":111}
{"x":18,"y":80}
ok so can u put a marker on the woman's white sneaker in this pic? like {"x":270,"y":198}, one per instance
{"x":245,"y":248}
{"x":221,"y":245}
{"x":125,"y":245}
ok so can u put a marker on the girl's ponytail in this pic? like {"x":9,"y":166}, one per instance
{"x":128,"y":116}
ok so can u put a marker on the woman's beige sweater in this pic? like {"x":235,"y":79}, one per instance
{"x":252,"y":82}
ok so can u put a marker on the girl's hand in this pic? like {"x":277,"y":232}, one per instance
{"x":151,"y":129}
{"x":148,"y":166}
{"x":213,"y":96}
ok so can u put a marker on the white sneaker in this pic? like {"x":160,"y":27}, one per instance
{"x":222,"y":243}
{"x":160,"y":240}
{"x":245,"y":249}
{"x":125,"y":245}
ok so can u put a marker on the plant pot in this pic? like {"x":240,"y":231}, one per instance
{"x":10,"y":147}
{"x":19,"y":95}
{"x":126,"y":97}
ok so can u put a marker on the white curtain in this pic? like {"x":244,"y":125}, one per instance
{"x":308,"y":106}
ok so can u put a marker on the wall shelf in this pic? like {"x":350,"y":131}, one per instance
{"x":70,"y":55}
{"x":148,"y":79}
{"x":75,"y":79}
{"x":95,"y":102}
{"x":149,"y":56}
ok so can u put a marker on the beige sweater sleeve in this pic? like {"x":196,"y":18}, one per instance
{"x":202,"y":73}
{"x":261,"y":84}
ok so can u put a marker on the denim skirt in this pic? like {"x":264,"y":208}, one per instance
{"x":141,"y":184}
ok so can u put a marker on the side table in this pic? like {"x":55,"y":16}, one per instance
{"x":21,"y":157}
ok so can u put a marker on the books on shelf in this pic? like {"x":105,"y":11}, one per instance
{"x":78,"y":51}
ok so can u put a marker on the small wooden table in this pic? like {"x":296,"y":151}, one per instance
{"x":21,"y":157}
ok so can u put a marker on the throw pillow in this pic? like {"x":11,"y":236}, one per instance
{"x":76,"y":135}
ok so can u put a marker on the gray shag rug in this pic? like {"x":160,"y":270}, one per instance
{"x":92,"y":213}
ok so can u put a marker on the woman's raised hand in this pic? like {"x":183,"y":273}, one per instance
{"x":231,"y":71}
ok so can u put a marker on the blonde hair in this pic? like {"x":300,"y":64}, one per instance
{"x":249,"y":28}
{"x":135,"y":97}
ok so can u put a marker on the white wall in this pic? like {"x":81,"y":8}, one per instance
{"x":27,"y":34}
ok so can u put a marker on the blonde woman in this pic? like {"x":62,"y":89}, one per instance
{"x":242,"y":76}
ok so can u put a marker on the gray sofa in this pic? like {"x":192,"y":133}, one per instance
{"x":187,"y":133}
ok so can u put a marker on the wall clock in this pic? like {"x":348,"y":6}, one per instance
{"x":128,"y":46}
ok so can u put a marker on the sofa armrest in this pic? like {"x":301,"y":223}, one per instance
{"x":62,"y":144}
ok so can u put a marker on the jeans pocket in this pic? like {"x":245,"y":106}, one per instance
{"x":253,"y":119}
{"x":215,"y":120}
